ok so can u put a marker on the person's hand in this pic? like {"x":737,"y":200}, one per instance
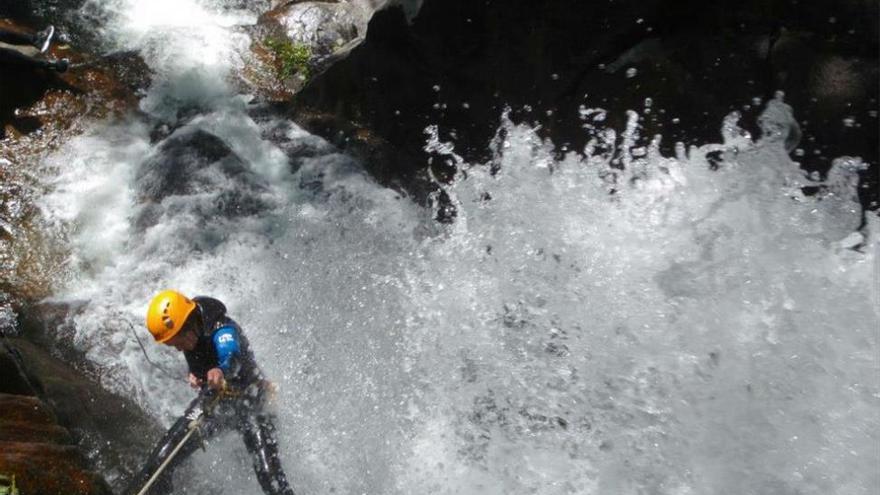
{"x":216,"y":379}
{"x":194,"y":381}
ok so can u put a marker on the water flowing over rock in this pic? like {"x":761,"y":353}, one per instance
{"x":630,"y":316}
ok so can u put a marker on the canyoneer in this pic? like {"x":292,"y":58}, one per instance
{"x":234,"y":392}
{"x":10,"y":54}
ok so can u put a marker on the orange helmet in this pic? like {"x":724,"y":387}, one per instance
{"x":167,"y":313}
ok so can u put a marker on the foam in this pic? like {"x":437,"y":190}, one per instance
{"x":580,"y":328}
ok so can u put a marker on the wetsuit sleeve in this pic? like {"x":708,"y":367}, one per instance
{"x":226,"y":342}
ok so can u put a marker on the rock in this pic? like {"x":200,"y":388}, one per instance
{"x":23,"y":408}
{"x":180,"y":163}
{"x":66,"y":406}
{"x":37,"y":451}
{"x":48,"y":469}
{"x":682,"y":65}
{"x":27,"y":431}
{"x":193,"y":161}
{"x":297,"y":40}
{"x":39,"y":110}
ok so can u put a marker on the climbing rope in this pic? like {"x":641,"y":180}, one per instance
{"x":193,"y":428}
{"x":161,"y":369}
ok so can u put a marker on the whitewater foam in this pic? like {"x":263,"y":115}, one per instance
{"x":612,"y":322}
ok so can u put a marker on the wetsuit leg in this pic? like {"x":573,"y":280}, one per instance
{"x":166,"y":446}
{"x":15,"y":38}
{"x":258,"y":432}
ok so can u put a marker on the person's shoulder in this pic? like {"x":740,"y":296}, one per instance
{"x":208,"y":300}
{"x":226,"y":337}
{"x":213,"y":310}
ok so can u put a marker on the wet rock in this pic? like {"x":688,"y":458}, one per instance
{"x":39,"y":110}
{"x":42,"y":103}
{"x":297,"y":40}
{"x":26,"y":431}
{"x":682,"y":65}
{"x":46,"y":469}
{"x":38,"y":451}
{"x":68,"y":404}
{"x":22,"y":408}
{"x":181,"y":162}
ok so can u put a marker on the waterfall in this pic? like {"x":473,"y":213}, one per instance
{"x":613,"y":321}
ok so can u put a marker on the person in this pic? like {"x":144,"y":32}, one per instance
{"x":41,"y":40}
{"x":219,"y":359}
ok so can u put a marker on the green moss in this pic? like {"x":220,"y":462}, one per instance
{"x":293,"y":57}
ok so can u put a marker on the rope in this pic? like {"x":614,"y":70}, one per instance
{"x":144,"y":350}
{"x":193,"y":428}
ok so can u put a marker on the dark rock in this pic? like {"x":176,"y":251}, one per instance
{"x":23,"y":408}
{"x":27,"y":431}
{"x":14,"y":381}
{"x":180,"y":163}
{"x":112,"y":429}
{"x":460,"y":63}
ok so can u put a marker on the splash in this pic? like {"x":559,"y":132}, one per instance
{"x":612,"y":321}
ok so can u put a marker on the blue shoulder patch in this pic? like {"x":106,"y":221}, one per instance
{"x":226,"y":344}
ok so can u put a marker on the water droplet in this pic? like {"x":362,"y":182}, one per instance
{"x":465,"y":105}
{"x":554,"y":76}
{"x":436,"y":88}
{"x":639,"y":20}
{"x":676,"y":120}
{"x":849,"y":121}
{"x":799,"y":152}
{"x":631,"y":72}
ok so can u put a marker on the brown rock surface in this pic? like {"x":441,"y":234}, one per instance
{"x":48,"y":469}
{"x":25,"y":431}
{"x":23,"y":408}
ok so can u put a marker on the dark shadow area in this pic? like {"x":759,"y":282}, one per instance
{"x":682,"y":66}
{"x":22,"y":87}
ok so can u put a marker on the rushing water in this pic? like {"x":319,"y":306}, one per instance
{"x":623,"y":323}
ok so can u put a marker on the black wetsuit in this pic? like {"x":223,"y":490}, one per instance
{"x":14,"y":57}
{"x":244,"y":411}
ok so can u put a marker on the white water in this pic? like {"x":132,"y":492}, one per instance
{"x":697,"y":332}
